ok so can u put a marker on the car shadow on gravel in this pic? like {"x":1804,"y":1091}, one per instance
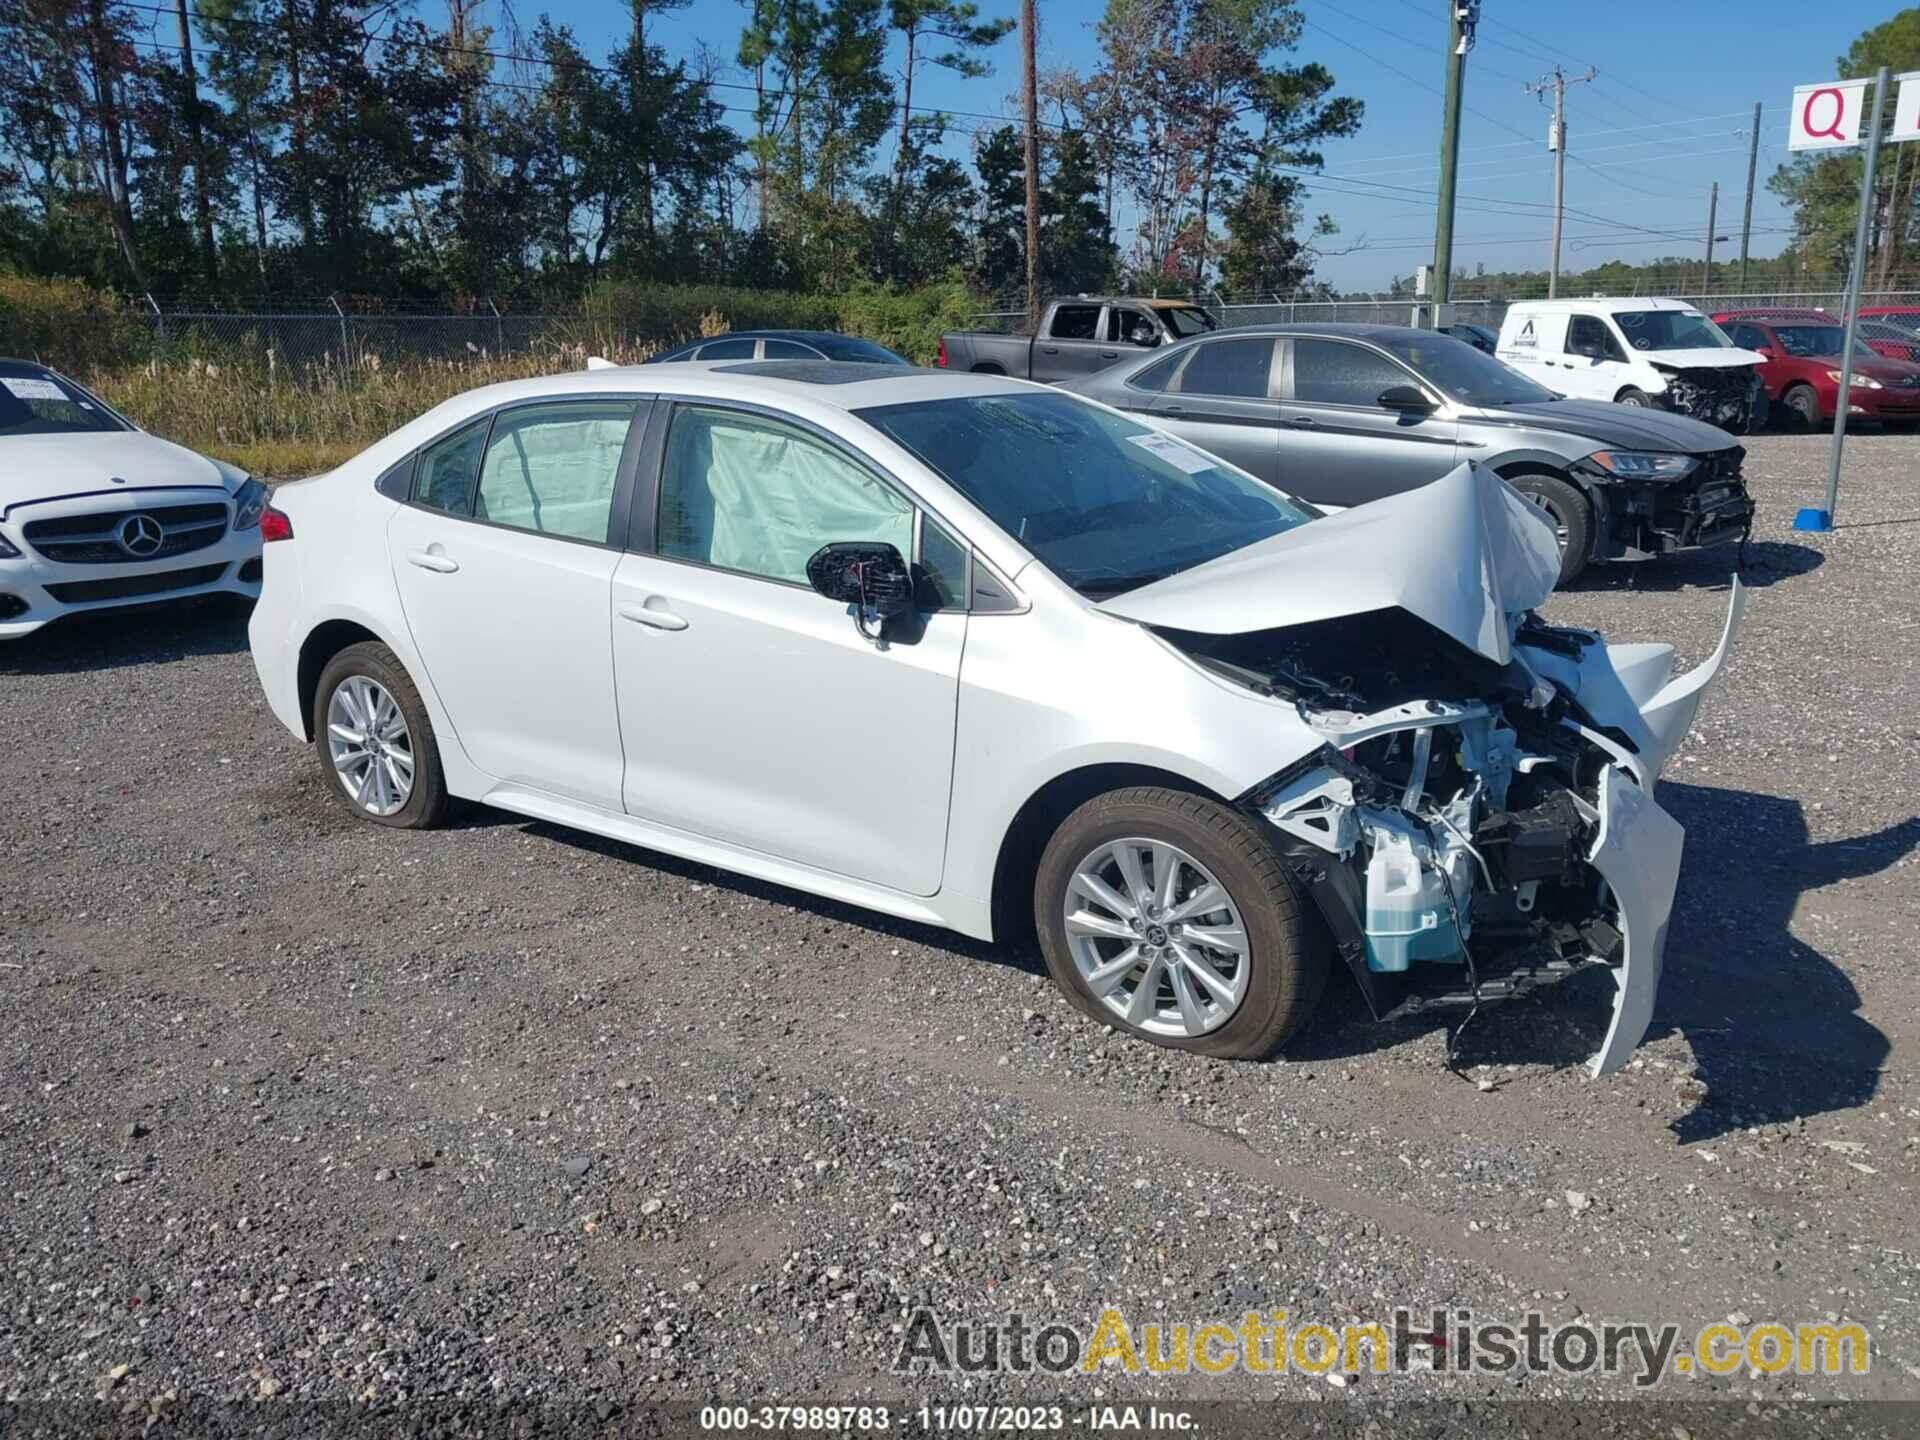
{"x":1768,"y":563}
{"x":1015,"y":957}
{"x":1772,"y":1022}
{"x":108,"y":640}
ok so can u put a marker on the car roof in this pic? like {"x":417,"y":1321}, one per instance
{"x":837,"y":384}
{"x":1778,"y":317}
{"x":1611,"y":305}
{"x":20,"y":369}
{"x":1327,"y":329}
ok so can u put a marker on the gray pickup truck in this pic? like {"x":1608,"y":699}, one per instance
{"x":1077,"y":337}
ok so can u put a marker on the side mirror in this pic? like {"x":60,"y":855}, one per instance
{"x":1404,"y":397}
{"x":870,"y":575}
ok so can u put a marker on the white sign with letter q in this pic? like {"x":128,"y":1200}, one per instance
{"x":1826,"y":117}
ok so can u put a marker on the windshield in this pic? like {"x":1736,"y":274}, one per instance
{"x":1671,"y":330}
{"x":1466,"y":374}
{"x":38,"y":402}
{"x":1102,"y":501}
{"x":1188,"y":320}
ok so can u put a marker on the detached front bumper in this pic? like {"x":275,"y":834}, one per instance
{"x":1637,"y":853}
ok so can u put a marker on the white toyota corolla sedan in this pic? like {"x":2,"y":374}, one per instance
{"x":95,"y":513}
{"x":984,"y":654}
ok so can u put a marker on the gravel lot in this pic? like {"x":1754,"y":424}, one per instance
{"x":297,"y":1107}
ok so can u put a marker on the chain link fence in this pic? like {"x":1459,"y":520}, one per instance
{"x":297,"y":338}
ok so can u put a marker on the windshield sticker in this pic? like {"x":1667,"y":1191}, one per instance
{"x":32,"y":389}
{"x":1183,"y":458}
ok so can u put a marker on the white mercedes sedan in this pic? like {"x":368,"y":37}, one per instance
{"x":983,"y":654}
{"x":96,"y":514}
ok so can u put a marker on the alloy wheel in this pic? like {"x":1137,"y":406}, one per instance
{"x":1156,"y":938}
{"x":1545,"y":507}
{"x":370,"y":745}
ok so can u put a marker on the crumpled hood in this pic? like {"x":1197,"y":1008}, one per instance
{"x":40,"y":467}
{"x":1708,"y":357}
{"x":1622,"y":427}
{"x":1462,"y":554}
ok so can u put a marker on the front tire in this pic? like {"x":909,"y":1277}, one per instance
{"x":375,"y":742}
{"x":1168,"y":916}
{"x":1631,"y":396}
{"x":1804,"y":406}
{"x":1571,"y":515}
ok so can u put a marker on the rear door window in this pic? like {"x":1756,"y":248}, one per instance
{"x":1236,"y":369}
{"x":552,"y":469}
{"x":1075,"y":322}
{"x":788,"y":350}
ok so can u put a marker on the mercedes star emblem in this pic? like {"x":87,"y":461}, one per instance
{"x":140,"y":536}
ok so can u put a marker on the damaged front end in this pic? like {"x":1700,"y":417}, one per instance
{"x":1727,"y":396}
{"x":1478,"y":817}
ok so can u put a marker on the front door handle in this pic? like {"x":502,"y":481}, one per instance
{"x":1109,"y":354}
{"x":658,"y":618}
{"x":1173,"y":409}
{"x":433,"y":560}
{"x":1302,"y":422}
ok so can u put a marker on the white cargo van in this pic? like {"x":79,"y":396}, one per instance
{"x":1637,"y":351}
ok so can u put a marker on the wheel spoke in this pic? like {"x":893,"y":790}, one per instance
{"x":1097,"y":890}
{"x":347,"y":733}
{"x":1166,"y":876}
{"x":402,"y":759}
{"x":1230,"y":938}
{"x":1203,"y":971}
{"x":1103,"y":980}
{"x":364,"y":787}
{"x":1128,"y":859}
{"x":1086,"y":922}
{"x":1192,"y":1014}
{"x":1204,"y":901}
{"x":1146,"y":996}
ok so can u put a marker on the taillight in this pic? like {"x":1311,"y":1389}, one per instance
{"x":941,"y":358}
{"x":274,"y":525}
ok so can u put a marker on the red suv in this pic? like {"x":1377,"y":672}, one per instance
{"x":1801,"y":369}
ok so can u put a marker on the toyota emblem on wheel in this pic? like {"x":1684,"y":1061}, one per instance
{"x":140,"y":536}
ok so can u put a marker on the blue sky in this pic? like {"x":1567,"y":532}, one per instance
{"x":1667,"y":116}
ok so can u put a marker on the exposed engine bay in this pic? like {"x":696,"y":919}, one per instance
{"x":1466,"y":791}
{"x":1720,"y":395}
{"x":1453,"y":832}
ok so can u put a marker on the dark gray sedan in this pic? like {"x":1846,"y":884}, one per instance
{"x":1343,"y":414}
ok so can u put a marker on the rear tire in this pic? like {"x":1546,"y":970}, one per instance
{"x":1206,"y":995}
{"x":1804,"y":406}
{"x":1570,"y":513}
{"x":367,"y":683}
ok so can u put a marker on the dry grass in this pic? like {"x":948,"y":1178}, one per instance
{"x":282,"y":422}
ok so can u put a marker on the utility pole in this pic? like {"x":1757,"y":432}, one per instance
{"x":1029,"y":105}
{"x":1746,"y":220}
{"x":1713,"y":209}
{"x":1466,"y":16}
{"x":1557,"y":143}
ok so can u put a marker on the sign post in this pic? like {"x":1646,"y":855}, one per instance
{"x":1827,"y":117}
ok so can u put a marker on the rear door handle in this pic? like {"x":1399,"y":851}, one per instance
{"x":433,"y":560}
{"x":1173,"y":409}
{"x":659,"y":619}
{"x":1302,"y":422}
{"x":1109,"y":354}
